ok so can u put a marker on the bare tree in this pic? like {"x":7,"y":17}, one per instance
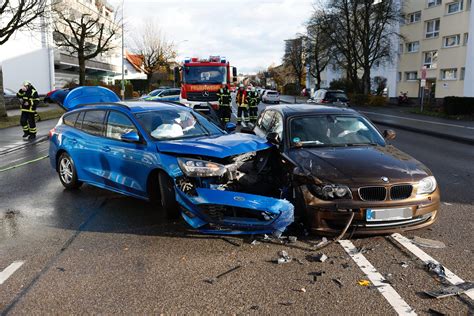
{"x":294,"y":59}
{"x":85,"y":35}
{"x":318,"y":48}
{"x":155,"y":49}
{"x":362,"y":32}
{"x":16,"y":15}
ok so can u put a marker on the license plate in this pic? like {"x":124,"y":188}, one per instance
{"x":388,"y":214}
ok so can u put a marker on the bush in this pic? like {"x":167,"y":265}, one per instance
{"x":359,"y":99}
{"x":458,"y":105}
{"x":377,"y":100}
{"x":342,"y":84}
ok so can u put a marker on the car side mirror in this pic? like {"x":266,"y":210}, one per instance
{"x":389,"y":134}
{"x":273,"y":138}
{"x":230,"y":127}
{"x":130,"y":137}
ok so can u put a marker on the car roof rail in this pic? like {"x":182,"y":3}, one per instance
{"x":122,"y":105}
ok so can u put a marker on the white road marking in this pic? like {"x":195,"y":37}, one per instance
{"x":5,"y":274}
{"x":392,"y":297}
{"x":423,"y":256}
{"x":418,"y":120}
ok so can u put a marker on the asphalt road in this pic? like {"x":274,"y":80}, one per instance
{"x":92,"y":251}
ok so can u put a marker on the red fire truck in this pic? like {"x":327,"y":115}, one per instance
{"x":201,"y":79}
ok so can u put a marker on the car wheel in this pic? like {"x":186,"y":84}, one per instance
{"x":168,"y":195}
{"x":67,"y":172}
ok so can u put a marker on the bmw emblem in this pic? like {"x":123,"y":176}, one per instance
{"x":384,"y":179}
{"x":205,"y":93}
{"x":239,"y":198}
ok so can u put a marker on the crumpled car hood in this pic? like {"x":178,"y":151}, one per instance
{"x":359,"y":165}
{"x":214,"y":146}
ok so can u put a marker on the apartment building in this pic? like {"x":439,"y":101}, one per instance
{"x":32,"y":54}
{"x":436,"y":47}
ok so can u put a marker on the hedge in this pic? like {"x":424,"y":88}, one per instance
{"x":458,"y":105}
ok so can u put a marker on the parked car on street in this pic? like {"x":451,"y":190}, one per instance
{"x":339,"y":164}
{"x":163,"y":95}
{"x":271,"y":96}
{"x":330,"y":97}
{"x":167,"y":152}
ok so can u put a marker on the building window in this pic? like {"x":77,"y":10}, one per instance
{"x":432,"y":28}
{"x":449,"y":74}
{"x":411,"y":75}
{"x":414,"y":17}
{"x":430,"y":59}
{"x":451,"y":41}
{"x":433,"y":3}
{"x":413,"y":47}
{"x":454,"y":7}
{"x":400,"y":49}
{"x":399,"y":76}
{"x":466,"y":38}
{"x":463,"y":70}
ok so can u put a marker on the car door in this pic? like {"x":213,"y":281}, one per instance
{"x":89,"y":158}
{"x":127,"y":164}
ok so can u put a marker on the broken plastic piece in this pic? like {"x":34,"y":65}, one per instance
{"x":428,"y":243}
{"x":338,"y":282}
{"x":292,"y":239}
{"x":283,"y":257}
{"x":404,"y":264}
{"x":363,"y":282}
{"x":436,"y":268}
{"x":255,"y":242}
{"x":320,"y":257}
{"x":451,"y":290}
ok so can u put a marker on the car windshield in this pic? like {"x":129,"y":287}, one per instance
{"x":333,"y":130}
{"x":170,"y":124}
{"x":205,"y":74}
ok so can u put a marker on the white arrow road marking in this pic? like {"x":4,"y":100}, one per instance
{"x":5,"y":274}
{"x":392,"y":297}
{"x":423,"y":256}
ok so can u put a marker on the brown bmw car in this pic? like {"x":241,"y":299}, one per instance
{"x":337,"y":164}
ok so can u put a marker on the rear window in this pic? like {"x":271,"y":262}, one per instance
{"x":272,"y":93}
{"x":93,"y":122}
{"x":70,"y":119}
{"x":341,"y":96}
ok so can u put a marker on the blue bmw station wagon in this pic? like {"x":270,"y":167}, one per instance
{"x":161,"y":151}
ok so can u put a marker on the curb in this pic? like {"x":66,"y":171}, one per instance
{"x":459,"y":139}
{"x":26,"y":144}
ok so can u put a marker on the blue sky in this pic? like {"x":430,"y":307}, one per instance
{"x":249,"y":33}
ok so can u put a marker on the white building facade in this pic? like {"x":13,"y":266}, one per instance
{"x":32,"y":55}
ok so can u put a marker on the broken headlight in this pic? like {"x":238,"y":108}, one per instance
{"x":201,"y":168}
{"x":330,"y":191}
{"x":426,"y":185}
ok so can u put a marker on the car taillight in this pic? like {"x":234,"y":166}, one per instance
{"x":325,"y":101}
{"x":51,"y":132}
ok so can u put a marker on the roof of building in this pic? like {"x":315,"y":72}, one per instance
{"x":135,"y":60}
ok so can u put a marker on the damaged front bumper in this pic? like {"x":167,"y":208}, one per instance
{"x":228,"y":212}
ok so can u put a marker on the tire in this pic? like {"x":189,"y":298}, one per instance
{"x":168,"y":195}
{"x":67,"y":172}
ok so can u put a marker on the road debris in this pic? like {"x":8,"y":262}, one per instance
{"x":302,"y":290}
{"x":346,"y":265}
{"x":288,"y":303}
{"x":320,"y":257}
{"x":434,"y":312}
{"x":428,"y":243}
{"x":338,"y":282}
{"x":255,"y":307}
{"x":436,"y":268}
{"x":404,"y":264}
{"x":255,"y":242}
{"x":364,"y":282}
{"x":230,"y":241}
{"x":214,"y":280}
{"x":283,"y":257}
{"x":315,"y":275}
{"x":292,"y":239}
{"x":299,"y":261}
{"x":451,"y":290}
{"x":321,"y":243}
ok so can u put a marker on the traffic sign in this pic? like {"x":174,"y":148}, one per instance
{"x":423,"y":83}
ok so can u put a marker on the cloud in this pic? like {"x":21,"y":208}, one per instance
{"x":249,"y":33}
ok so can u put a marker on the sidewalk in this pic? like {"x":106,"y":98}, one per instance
{"x":401,"y":117}
{"x":11,"y":140}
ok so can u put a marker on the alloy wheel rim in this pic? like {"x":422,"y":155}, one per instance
{"x":65,"y":170}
